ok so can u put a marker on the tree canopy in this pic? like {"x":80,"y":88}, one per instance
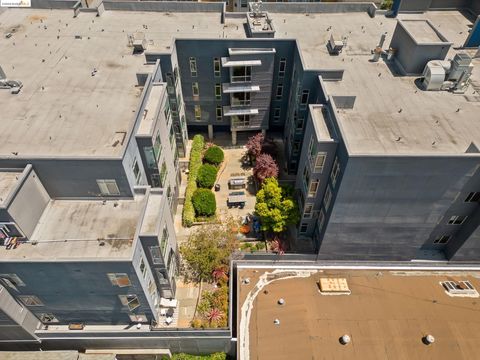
{"x":276,"y":207}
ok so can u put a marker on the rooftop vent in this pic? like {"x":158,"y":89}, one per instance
{"x":13,"y":85}
{"x":461,"y":288}
{"x":334,"y":286}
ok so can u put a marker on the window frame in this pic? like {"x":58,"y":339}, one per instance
{"x":305,"y":230}
{"x":327,"y":198}
{"x":193,"y":67}
{"x":472,"y":197}
{"x":106,"y":183}
{"x":195,"y":89}
{"x":114,"y":279}
{"x":30,"y":300}
{"x":308,"y":214}
{"x":457,"y":219}
{"x":124,"y":299}
{"x":219,"y":113}
{"x":216,"y":73}
{"x":282,"y":67}
{"x":279,"y":92}
{"x":442,"y":239}
{"x":218,"y":91}
{"x":246,"y":77}
{"x":198,"y":112}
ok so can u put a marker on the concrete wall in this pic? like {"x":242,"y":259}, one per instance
{"x":53,"y":4}
{"x":28,"y":202}
{"x":173,"y":6}
{"x":315,"y":7}
{"x":387,"y":207}
{"x":78,"y":291}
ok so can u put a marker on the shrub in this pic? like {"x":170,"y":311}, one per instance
{"x":198,"y":144}
{"x":254,"y":145}
{"x":207,"y":174}
{"x":204,"y":202}
{"x":265,"y":167}
{"x":213,"y":155}
{"x":386,"y":5}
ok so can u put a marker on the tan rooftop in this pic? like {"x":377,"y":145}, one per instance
{"x":8,"y":179}
{"x":386,"y":316}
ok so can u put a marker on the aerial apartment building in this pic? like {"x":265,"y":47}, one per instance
{"x":98,"y":105}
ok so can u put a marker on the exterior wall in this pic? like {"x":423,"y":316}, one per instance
{"x":78,"y":291}
{"x":388,"y":207}
{"x":413,"y":57}
{"x":16,"y":322}
{"x":75,"y":178}
{"x":29,"y":202}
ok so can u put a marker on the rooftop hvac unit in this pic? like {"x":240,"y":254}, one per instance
{"x":452,"y":75}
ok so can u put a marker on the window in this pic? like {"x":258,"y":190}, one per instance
{"x":157,"y":147}
{"x":108,"y":187}
{"x":218,"y":92}
{"x":30,"y":300}
{"x":119,"y":279}
{"x":156,"y":255}
{"x":195,"y":89}
{"x":327,"y":198}
{"x":241,"y":120}
{"x":442,"y":239}
{"x":216,"y":67}
{"x":241,"y":74}
{"x":303,"y":228}
{"x":164,"y":241}
{"x":457,"y":220}
{"x":198,"y":112}
{"x":163,"y":174}
{"x":136,"y":172}
{"x":312,"y":189}
{"x":10,"y":229}
{"x":48,"y":318}
{"x":335,"y":172}
{"x":282,"y":67}
{"x":240,"y":99}
{"x":276,"y":114}
{"x":218,"y":113}
{"x":299,"y":124}
{"x":306,"y":177}
{"x":304,"y":98}
{"x":296,"y":147}
{"x":175,"y":75}
{"x":473,"y":197}
{"x":136,"y":318}
{"x":319,"y":162}
{"x":150,"y":157}
{"x":193,"y":67}
{"x":170,"y":84}
{"x":308,"y":211}
{"x":243,"y":3}
{"x":321,"y":220}
{"x":129,"y":300}
{"x":171,"y":263}
{"x":279,"y":92}
{"x":143,"y":268}
{"x":459,"y":288}
{"x":166,"y":111}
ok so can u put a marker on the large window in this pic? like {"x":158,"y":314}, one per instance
{"x":282,"y":67}
{"x":240,"y":99}
{"x":218,"y":92}
{"x":319,"y":162}
{"x":308,"y":211}
{"x":457,"y":220}
{"x":241,"y":120}
{"x":335,"y":172}
{"x":216,"y":67}
{"x":193,"y":67}
{"x":131,"y":301}
{"x":157,"y":147}
{"x":136,"y":172}
{"x":30,"y":300}
{"x":198,"y":112}
{"x":241,"y":74}
{"x":442,"y":239}
{"x":327,"y":198}
{"x":150,"y":157}
{"x":195,"y":89}
{"x":279,"y":92}
{"x":108,"y":187}
{"x":473,"y":197}
{"x":119,"y":279}
{"x":163,"y":174}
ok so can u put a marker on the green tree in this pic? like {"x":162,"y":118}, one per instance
{"x":204,"y":202}
{"x":276,"y":207}
{"x":207,"y":176}
{"x":208,"y":247}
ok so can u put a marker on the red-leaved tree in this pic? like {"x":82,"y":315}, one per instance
{"x":265,"y":167}
{"x":254,"y":145}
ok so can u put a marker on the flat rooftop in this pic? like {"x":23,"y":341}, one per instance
{"x":8,"y":180}
{"x":386,"y":315}
{"x":64,"y":111}
{"x":388,"y":106}
{"x":82,"y":229}
{"x":421,"y":31}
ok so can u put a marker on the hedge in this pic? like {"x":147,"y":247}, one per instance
{"x":213,"y":155}
{"x":198,"y":144}
{"x":214,"y":356}
{"x":204,"y":202}
{"x":207,"y":176}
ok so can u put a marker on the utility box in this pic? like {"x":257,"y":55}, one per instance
{"x":415,"y":43}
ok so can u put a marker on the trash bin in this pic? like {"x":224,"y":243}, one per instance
{"x":217,"y":187}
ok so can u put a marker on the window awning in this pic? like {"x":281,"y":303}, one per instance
{"x":229,"y":111}
{"x":226,"y":62}
{"x":233,"y":88}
